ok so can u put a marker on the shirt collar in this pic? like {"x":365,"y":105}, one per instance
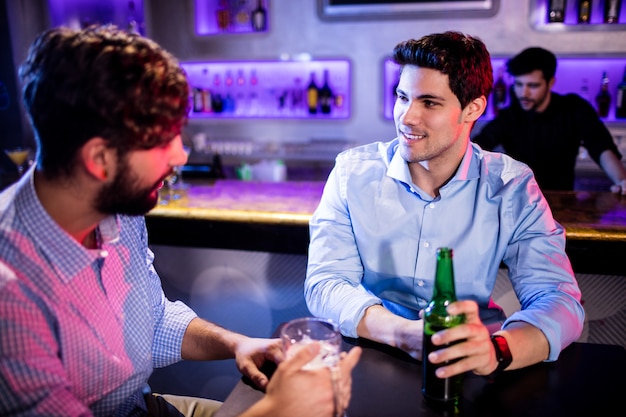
{"x":62,"y":251}
{"x":468,"y":169}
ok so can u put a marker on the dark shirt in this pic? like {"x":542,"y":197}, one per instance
{"x":548,"y":142}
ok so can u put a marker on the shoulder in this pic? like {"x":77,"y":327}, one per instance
{"x":571,"y":101}
{"x":367,"y":156}
{"x":370,"y":151}
{"x":499,"y":170}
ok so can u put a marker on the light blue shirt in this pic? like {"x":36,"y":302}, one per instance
{"x":80,"y":330}
{"x":374,"y":238}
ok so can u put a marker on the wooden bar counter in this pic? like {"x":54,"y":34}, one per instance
{"x":273,"y":217}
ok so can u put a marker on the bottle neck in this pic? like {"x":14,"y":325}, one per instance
{"x":444,"y":277}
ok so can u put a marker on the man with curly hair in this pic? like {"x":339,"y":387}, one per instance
{"x":83,"y":317}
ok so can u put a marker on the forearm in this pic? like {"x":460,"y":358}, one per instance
{"x":612,"y":166}
{"x":207,"y":341}
{"x":381,"y":325}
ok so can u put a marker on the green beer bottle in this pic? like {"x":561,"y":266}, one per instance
{"x":444,"y":393}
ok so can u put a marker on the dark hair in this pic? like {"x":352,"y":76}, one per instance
{"x":463,"y":58}
{"x":100,"y":82}
{"x":532,"y":59}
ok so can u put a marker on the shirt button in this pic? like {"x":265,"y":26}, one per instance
{"x":420,"y":283}
{"x":426,"y":244}
{"x":431,"y":205}
{"x":104,"y":253}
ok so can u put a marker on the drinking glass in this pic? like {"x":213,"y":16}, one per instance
{"x":18,"y":156}
{"x":173,"y":185}
{"x":298,"y":333}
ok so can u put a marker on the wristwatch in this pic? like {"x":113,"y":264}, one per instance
{"x":503,"y":354}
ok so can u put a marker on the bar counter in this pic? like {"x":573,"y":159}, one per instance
{"x":273,"y":217}
{"x":584,"y":381}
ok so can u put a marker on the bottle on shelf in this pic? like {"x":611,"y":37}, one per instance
{"x":297,"y":97}
{"x":584,"y":11}
{"x":499,"y":93}
{"x":217,"y":100}
{"x":254,"y":103}
{"x":259,"y":17}
{"x":620,"y":99}
{"x":584,"y":89}
{"x":611,"y":11}
{"x":556,"y":11}
{"x":198,"y":101}
{"x":325,"y":96}
{"x":312,"y":95}
{"x":240,"y":96}
{"x":133,"y":25}
{"x":603,"y":99}
{"x":202,"y":94}
{"x":442,"y":393}
{"x":222,"y":14}
{"x":242,"y":16}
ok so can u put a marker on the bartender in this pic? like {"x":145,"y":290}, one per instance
{"x":545,"y":129}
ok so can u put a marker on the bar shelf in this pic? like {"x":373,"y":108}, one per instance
{"x":575,"y":74}
{"x":268,"y":89}
{"x":538,"y":17}
{"x":76,"y":14}
{"x":216,"y":17}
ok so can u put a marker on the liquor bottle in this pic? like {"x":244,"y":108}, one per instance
{"x":222,"y":15}
{"x":133,"y":25}
{"x":611,"y":11}
{"x":325,"y":95}
{"x":584,"y":11}
{"x":603,"y":99}
{"x":216,"y":96}
{"x":254,"y":104}
{"x":620,"y":99}
{"x":240,"y":96}
{"x":242,"y":16}
{"x":202,"y":95}
{"x":259,"y":17}
{"x":440,"y":392}
{"x":312,"y":95}
{"x":556,"y":12}
{"x":297,"y":97}
{"x":499,"y":93}
{"x":584,"y":89}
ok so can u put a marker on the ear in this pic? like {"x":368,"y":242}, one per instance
{"x":475,"y":109}
{"x":551,"y":83}
{"x":97,"y":158}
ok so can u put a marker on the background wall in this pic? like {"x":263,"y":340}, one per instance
{"x":296,"y":28}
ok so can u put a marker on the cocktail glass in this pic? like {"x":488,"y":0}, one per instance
{"x":18,"y":156}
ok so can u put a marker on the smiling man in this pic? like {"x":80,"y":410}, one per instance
{"x":545,"y":129}
{"x":388,"y":206}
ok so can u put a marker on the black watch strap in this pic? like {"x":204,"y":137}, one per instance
{"x":503,"y":354}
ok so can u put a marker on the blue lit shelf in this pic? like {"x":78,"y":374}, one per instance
{"x":538,"y":18}
{"x":572,"y":73}
{"x":267,"y":89}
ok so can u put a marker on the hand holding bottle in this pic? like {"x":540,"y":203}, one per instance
{"x":470,"y":344}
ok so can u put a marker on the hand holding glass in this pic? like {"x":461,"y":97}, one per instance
{"x":299,"y":333}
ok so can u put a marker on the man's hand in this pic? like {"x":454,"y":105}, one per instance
{"x":252,"y":353}
{"x":474,"y":352}
{"x":619,"y":188}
